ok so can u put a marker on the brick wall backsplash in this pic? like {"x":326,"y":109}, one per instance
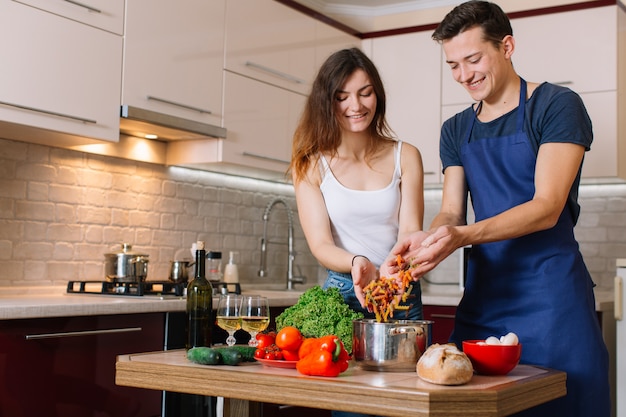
{"x":61,"y":211}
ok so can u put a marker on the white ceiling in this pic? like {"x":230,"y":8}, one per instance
{"x":380,"y":15}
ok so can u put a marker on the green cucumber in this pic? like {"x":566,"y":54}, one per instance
{"x":246,"y":351}
{"x":230,"y":356}
{"x":204,"y":356}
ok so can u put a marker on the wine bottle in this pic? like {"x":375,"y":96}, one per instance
{"x":199,"y":304}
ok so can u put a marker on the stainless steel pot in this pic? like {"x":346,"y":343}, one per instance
{"x":126,"y":265}
{"x":179,"y":271}
{"x":394,"y":346}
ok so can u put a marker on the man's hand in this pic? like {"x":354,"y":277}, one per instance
{"x":408,"y":249}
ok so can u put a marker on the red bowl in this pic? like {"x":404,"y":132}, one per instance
{"x":492,"y":359}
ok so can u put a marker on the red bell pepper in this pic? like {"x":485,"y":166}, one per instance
{"x":324,"y":356}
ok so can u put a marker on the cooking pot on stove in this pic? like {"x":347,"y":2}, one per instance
{"x":393,"y":346}
{"x":126,"y":265}
{"x":179,"y":272}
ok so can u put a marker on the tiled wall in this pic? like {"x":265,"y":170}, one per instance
{"x":61,"y":211}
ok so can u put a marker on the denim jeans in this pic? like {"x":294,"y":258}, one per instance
{"x":344,"y":283}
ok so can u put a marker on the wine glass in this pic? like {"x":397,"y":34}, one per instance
{"x":229,"y":315}
{"x":255,"y":316}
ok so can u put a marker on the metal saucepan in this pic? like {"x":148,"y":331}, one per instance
{"x":126,"y":265}
{"x":179,"y":271}
{"x":394,"y":346}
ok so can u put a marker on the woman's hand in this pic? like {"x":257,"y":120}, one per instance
{"x":363,"y":272}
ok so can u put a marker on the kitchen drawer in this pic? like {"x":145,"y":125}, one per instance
{"x":68,"y":365}
{"x":103,"y":14}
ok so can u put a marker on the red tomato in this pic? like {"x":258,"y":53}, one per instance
{"x":289,"y":338}
{"x":274,"y":355}
{"x":290,"y":355}
{"x":264,"y":340}
{"x":259,"y":353}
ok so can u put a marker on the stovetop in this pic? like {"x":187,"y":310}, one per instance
{"x":158,"y":288}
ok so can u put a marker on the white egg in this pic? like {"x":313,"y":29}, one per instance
{"x":509,"y":339}
{"x":492,"y":340}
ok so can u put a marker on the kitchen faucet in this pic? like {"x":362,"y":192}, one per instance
{"x":291,"y":254}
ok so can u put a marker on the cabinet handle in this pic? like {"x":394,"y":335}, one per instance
{"x":173,"y":103}
{"x":81,"y":333}
{"x":442,"y":316}
{"x":618,"y":305}
{"x":267,"y":158}
{"x":66,"y":116}
{"x":277,"y":73}
{"x":86,"y":6}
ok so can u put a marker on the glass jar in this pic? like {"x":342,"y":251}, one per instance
{"x":214,"y":266}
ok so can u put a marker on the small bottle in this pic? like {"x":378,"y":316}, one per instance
{"x":231,"y":274}
{"x":199,"y":304}
{"x":214,"y":266}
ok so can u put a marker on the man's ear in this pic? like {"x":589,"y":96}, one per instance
{"x":508,"y":46}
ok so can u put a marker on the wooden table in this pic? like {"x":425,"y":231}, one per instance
{"x":383,"y":393}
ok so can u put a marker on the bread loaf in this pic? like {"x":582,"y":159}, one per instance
{"x":445,"y":365}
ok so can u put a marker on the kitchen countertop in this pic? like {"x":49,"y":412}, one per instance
{"x":40,"y":302}
{"x":387,"y":393}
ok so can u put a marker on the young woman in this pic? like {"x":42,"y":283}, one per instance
{"x":358,"y":190}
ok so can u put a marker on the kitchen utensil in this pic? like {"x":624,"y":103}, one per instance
{"x":126,"y":265}
{"x":492,"y":359}
{"x":394,"y":346}
{"x":179,"y":271}
{"x":214,"y":266}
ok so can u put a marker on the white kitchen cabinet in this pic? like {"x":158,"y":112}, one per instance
{"x":579,"y":49}
{"x":271,"y":42}
{"x":102,"y":14}
{"x":261,"y":120}
{"x":330,"y":40}
{"x":58,"y":74}
{"x":409,"y":65}
{"x":602,"y":160}
{"x":174,"y":58}
{"x":272,"y":54}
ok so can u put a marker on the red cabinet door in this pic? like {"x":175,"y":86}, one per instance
{"x":66,"y":366}
{"x":443,"y":318}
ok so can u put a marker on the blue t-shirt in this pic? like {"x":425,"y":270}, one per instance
{"x":553,"y":114}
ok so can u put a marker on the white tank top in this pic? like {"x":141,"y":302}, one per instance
{"x":363,"y":222}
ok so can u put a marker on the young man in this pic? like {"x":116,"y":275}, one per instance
{"x":518,"y":152}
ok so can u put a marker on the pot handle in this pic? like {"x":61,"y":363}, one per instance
{"x":395,"y":331}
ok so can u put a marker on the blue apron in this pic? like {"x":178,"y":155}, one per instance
{"x":537,"y":285}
